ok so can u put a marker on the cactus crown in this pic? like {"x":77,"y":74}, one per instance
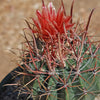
{"x":61,"y":61}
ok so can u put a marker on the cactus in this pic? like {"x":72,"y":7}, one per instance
{"x":60,"y":62}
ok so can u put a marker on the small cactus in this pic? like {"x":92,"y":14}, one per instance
{"x":62,"y":63}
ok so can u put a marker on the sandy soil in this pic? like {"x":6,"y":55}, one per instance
{"x":13,"y":13}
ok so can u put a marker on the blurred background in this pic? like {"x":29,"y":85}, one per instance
{"x":14,"y":12}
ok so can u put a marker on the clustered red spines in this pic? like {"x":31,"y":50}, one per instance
{"x":50,"y":23}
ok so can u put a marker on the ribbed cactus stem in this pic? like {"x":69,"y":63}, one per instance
{"x":61,"y":61}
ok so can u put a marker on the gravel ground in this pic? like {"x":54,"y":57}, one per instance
{"x":13,"y":13}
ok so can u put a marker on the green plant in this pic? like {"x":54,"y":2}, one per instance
{"x":60,"y":62}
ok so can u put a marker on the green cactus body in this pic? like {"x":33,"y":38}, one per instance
{"x":67,"y":66}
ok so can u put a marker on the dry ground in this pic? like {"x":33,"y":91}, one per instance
{"x":13,"y":13}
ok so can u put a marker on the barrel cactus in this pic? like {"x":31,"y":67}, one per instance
{"x":60,"y":61}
